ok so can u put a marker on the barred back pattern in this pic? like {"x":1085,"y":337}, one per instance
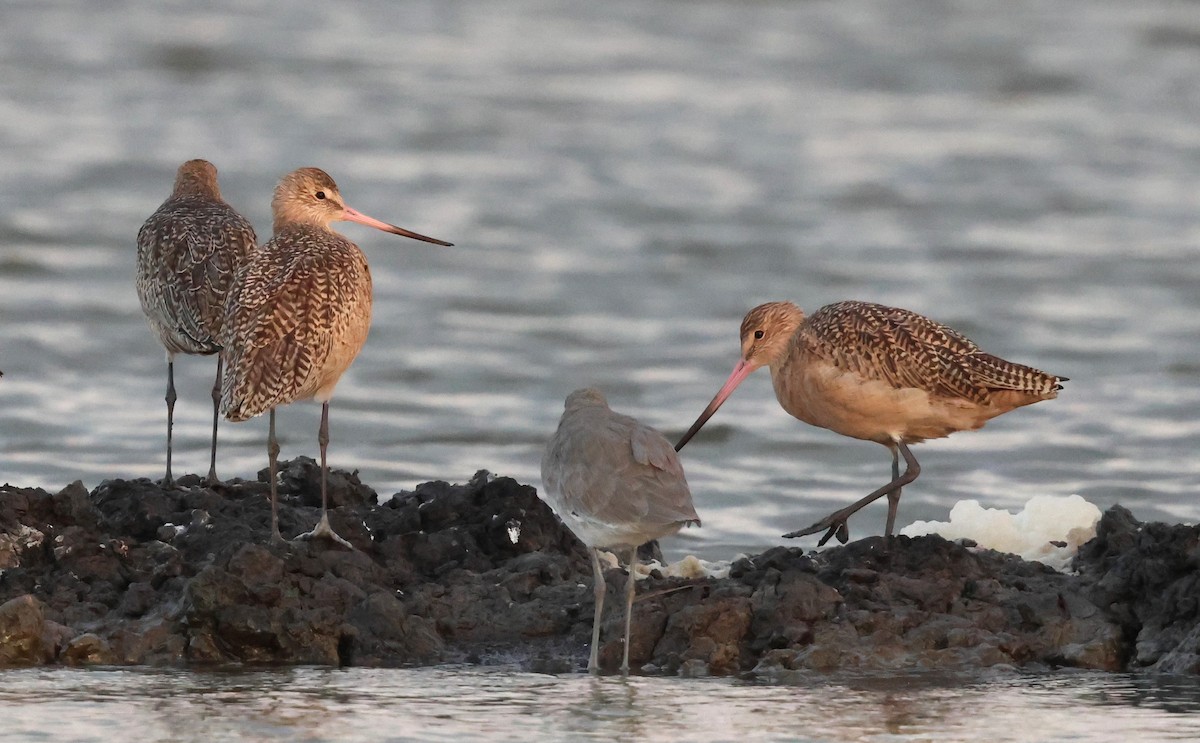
{"x":906,"y":349}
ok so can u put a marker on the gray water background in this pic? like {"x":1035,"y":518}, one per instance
{"x":623,"y":181}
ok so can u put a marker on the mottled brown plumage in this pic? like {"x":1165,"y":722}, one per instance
{"x":299,"y":313}
{"x":188,"y":253}
{"x":615,"y":483}
{"x":879,"y":374}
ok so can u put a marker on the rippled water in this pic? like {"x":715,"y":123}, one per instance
{"x":402,"y":705}
{"x":623,"y":181}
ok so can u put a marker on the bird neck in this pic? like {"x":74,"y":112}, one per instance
{"x":284,"y":221}
{"x":192,"y":184}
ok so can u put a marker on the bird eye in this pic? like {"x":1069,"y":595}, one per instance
{"x":758,"y":334}
{"x":320,"y":194}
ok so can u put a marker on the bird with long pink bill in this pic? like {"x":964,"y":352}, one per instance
{"x":878,"y":374}
{"x":298,"y":315}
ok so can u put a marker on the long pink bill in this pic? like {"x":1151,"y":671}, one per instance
{"x":352,"y":215}
{"x":740,"y":372}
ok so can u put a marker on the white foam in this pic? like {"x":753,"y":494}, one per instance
{"x":687,"y":567}
{"x":693,"y":567}
{"x":1029,"y":533}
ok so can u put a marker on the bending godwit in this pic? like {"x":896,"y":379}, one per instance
{"x":879,"y":374}
{"x":615,"y":483}
{"x":188,"y":253}
{"x":298,"y":315}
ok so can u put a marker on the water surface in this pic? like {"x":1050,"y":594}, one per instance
{"x":503,"y":703}
{"x":623,"y":180}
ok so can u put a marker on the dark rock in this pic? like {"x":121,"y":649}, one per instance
{"x":135,"y":508}
{"x":87,"y":649}
{"x":1145,"y":576}
{"x":16,"y":541}
{"x":73,"y":505}
{"x":708,"y":634}
{"x":151,"y":640}
{"x":139,"y":598}
{"x":22,"y":629}
{"x":387,"y":634}
{"x":483,"y":571}
{"x":301,"y":478}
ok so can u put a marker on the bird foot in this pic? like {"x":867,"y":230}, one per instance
{"x":323,"y":530}
{"x":835,"y":523}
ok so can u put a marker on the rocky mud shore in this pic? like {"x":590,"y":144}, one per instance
{"x":131,"y":573}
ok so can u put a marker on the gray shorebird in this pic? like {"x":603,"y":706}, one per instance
{"x":879,"y":374}
{"x":188,"y":253}
{"x":298,"y":315}
{"x":617,"y":484}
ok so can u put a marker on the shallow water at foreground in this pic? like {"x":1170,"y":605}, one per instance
{"x":622,"y":181}
{"x":501,"y":703}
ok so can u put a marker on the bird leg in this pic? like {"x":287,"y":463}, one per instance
{"x":323,"y":529}
{"x":836,"y":521}
{"x":598,"y":589}
{"x":168,"y":481}
{"x":216,"y":398}
{"x":272,"y":470}
{"x":894,"y":496}
{"x":630,"y":586}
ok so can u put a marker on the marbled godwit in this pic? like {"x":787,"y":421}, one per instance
{"x":615,"y":483}
{"x":298,"y":315}
{"x":879,"y":374}
{"x":188,"y":253}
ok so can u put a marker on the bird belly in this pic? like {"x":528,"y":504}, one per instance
{"x":873,"y":410}
{"x":348,"y":340}
{"x":596,"y":532}
{"x":303,"y":364}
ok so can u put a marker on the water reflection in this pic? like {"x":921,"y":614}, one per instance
{"x":502,"y":703}
{"x":606,"y":704}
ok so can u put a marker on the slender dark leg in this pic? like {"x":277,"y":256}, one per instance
{"x":169,"y":481}
{"x":894,"y":496}
{"x":273,"y":459}
{"x":323,"y":529}
{"x":323,"y":443}
{"x":630,"y":585}
{"x":598,"y":590}
{"x":836,"y":521}
{"x":216,"y":398}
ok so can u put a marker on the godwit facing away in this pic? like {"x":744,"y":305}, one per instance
{"x":298,"y":315}
{"x":879,"y":374}
{"x":615,"y":483}
{"x":188,"y":253}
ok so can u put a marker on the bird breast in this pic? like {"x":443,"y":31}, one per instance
{"x":296,"y":318}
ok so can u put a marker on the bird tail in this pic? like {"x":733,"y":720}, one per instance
{"x":996,"y":373}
